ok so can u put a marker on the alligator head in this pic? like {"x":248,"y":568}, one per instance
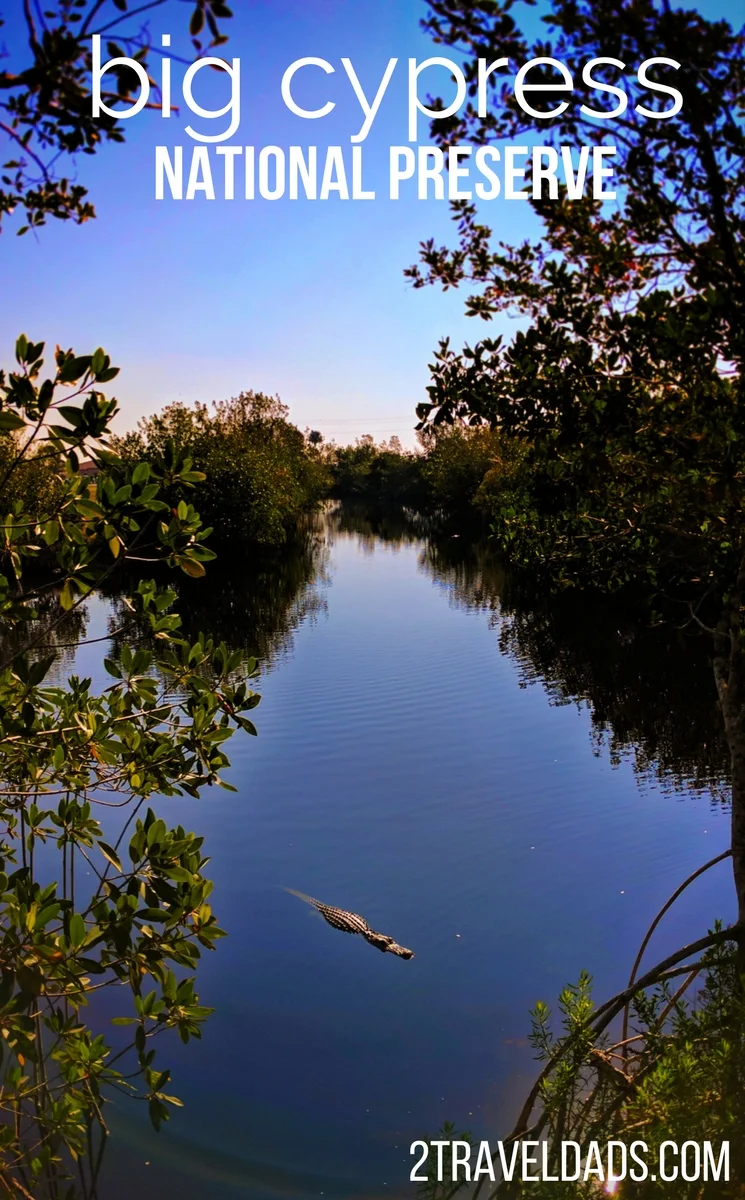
{"x":386,"y":944}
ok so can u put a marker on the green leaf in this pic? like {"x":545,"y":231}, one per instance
{"x":197,"y":22}
{"x":38,"y":670}
{"x":30,"y":979}
{"x":110,"y":853}
{"x":73,"y":368}
{"x":76,"y":933}
{"x":191,"y":567}
{"x":89,"y":508}
{"x":71,"y":414}
{"x":179,"y":874}
{"x":51,"y":531}
{"x":67,"y":596}
{"x":10,"y":421}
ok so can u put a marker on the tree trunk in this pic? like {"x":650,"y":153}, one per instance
{"x":729,"y":673}
{"x":737,"y":753}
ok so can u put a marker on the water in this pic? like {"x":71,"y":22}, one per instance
{"x":509,"y":787}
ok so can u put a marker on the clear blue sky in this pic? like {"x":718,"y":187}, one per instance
{"x":200,"y":300}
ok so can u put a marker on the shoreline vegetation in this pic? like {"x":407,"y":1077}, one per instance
{"x":258,"y":477}
{"x":662,"y":1080}
{"x":262,"y":473}
{"x":602,"y":447}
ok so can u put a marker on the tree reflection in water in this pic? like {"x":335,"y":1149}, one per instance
{"x":254,"y":602}
{"x":649,"y":689}
{"x":650,"y":697}
{"x":665,"y":1059}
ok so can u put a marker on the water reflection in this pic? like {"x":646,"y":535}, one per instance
{"x":253,"y":603}
{"x":53,"y":632}
{"x":649,"y":689}
{"x":404,"y":769}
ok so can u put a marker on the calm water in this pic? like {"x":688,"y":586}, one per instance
{"x":509,"y":788}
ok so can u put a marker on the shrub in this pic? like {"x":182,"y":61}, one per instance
{"x":376,"y":471}
{"x":260,"y":472}
{"x":455,"y":466}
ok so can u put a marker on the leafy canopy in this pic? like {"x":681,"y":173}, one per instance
{"x":260,"y":472}
{"x":624,"y":386}
{"x":125,"y":907}
{"x":45,"y":101}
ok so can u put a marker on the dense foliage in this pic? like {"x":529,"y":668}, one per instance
{"x":623,"y":392}
{"x":621,"y":396}
{"x":260,"y":472}
{"x":77,"y":765}
{"x":34,"y":478}
{"x":447,"y":475}
{"x":375,"y":471}
{"x":460,"y":462}
{"x":96,"y":890}
{"x":625,"y":387}
{"x":45,"y":99}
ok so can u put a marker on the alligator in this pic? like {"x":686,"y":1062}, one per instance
{"x":350,"y":922}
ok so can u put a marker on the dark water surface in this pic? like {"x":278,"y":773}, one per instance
{"x":427,"y":756}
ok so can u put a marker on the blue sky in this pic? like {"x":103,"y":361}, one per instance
{"x":200,"y":300}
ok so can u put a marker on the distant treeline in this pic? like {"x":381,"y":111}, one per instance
{"x":262,"y":473}
{"x":456,"y":472}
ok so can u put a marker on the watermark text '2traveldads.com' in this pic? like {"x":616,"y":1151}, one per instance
{"x":535,"y":1162}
